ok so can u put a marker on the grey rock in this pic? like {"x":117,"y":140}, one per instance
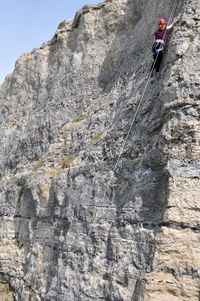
{"x":81,"y":218}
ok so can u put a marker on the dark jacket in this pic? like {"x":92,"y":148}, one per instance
{"x":162,"y":34}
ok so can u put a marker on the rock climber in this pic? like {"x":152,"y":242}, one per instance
{"x":159,"y":44}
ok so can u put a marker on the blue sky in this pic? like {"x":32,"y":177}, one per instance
{"x":26,"y":24}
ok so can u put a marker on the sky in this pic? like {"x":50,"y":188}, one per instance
{"x":26,"y":24}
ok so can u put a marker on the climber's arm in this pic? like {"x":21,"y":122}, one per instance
{"x":170,"y":27}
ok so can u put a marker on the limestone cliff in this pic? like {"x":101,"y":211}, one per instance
{"x":74,"y":225}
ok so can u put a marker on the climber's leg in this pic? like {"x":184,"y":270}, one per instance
{"x":158,"y":61}
{"x":153,"y":66}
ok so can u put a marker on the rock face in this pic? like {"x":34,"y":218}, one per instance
{"x":87,"y":212}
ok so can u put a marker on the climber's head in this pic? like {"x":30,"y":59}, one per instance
{"x":162,"y":23}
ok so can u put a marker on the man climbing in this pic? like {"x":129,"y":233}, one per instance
{"x":159,"y":45}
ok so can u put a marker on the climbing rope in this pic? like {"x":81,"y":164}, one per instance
{"x":131,"y":126}
{"x":139,"y":104}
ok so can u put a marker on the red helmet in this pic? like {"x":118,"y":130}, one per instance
{"x":162,"y":22}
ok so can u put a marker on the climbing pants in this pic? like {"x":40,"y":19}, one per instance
{"x":157,"y":60}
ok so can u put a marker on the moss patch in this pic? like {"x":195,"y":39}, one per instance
{"x":78,"y":119}
{"x":97,"y":137}
{"x":67,"y":161}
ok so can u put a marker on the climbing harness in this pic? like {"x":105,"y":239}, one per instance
{"x":158,"y":46}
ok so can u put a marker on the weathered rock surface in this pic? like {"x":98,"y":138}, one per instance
{"x":74,"y":225}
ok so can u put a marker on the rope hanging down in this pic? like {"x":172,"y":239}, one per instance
{"x":141,"y":99}
{"x":132,"y":122}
